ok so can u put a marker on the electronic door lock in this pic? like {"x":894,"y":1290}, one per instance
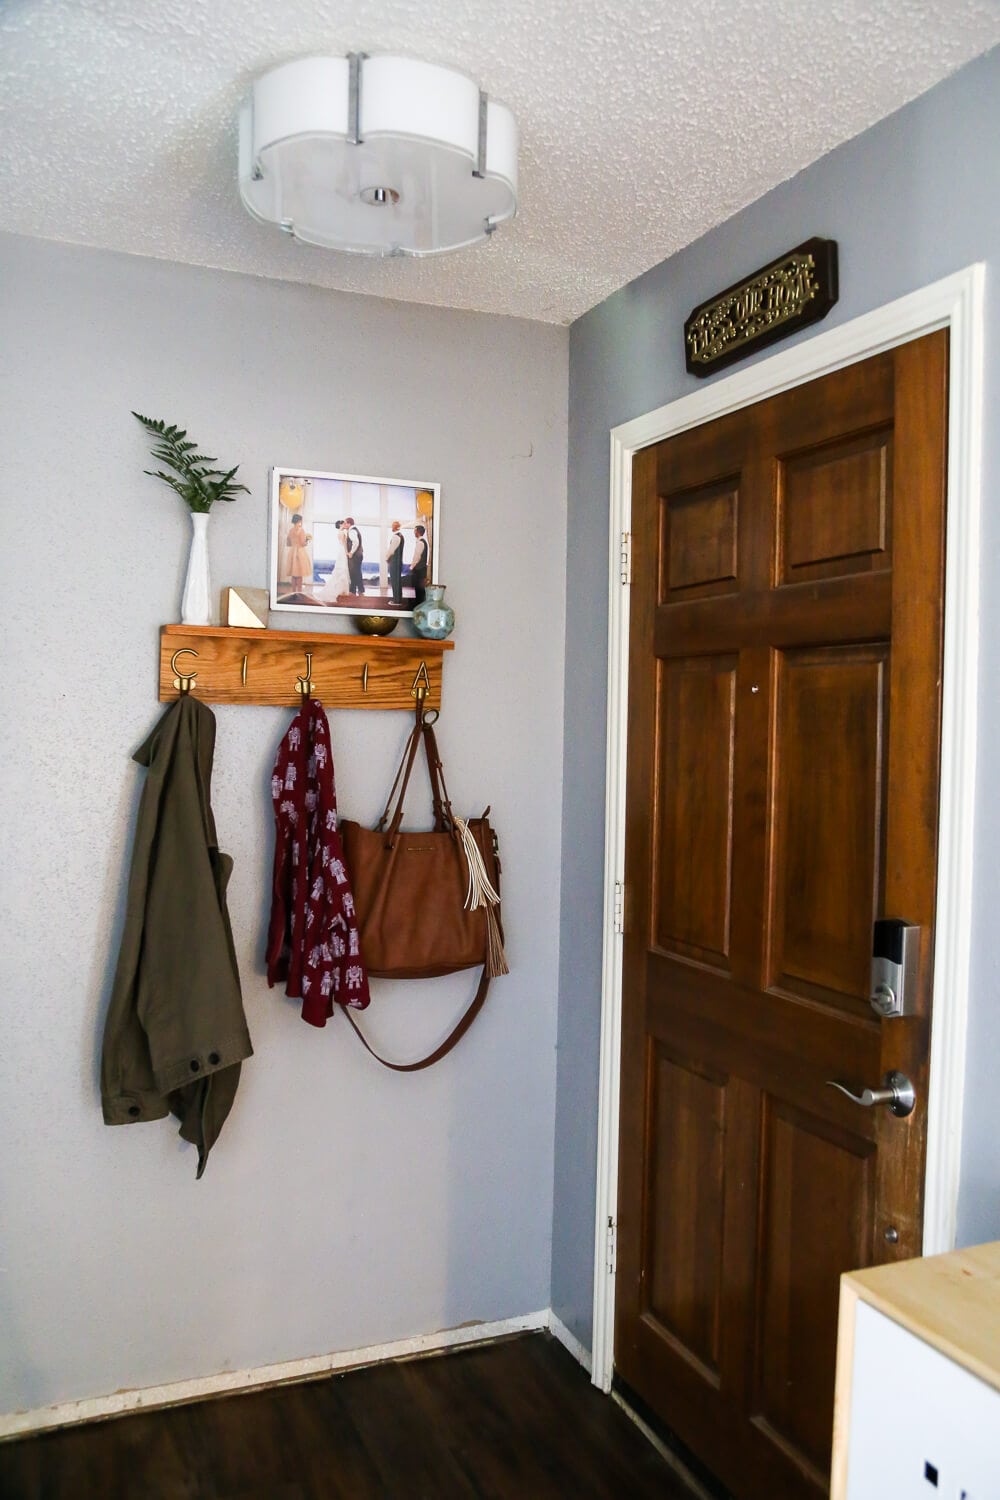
{"x":895,"y":968}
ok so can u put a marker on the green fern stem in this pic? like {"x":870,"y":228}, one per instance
{"x":195,"y":478}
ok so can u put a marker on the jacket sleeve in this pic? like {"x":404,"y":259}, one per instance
{"x":188,"y":995}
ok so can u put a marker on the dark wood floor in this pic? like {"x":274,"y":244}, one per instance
{"x":515,"y":1419}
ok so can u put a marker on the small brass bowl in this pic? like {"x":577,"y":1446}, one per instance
{"x":376,"y":624}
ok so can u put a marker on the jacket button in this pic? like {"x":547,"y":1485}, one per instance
{"x":133,"y":1110}
{"x":195,"y":1065}
{"x":214,"y":1059}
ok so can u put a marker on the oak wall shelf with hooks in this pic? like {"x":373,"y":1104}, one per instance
{"x":221,"y":664}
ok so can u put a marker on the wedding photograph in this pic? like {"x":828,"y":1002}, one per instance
{"x":350,"y":543}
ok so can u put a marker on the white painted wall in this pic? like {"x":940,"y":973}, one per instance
{"x":343,"y":1206}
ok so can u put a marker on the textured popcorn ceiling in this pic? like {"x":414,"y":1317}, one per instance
{"x":643,"y":123}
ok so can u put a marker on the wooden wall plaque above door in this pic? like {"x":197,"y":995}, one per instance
{"x":789,"y":293}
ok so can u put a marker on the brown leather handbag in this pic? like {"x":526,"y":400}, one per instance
{"x":427,"y":903}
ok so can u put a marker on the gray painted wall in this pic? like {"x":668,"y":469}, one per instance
{"x":914,"y":198}
{"x":343,"y":1205}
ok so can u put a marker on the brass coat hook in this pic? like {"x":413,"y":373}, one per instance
{"x":421,"y":684}
{"x":304,"y":685}
{"x":183,"y":680}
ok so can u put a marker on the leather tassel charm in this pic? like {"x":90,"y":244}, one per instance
{"x":496,"y":958}
{"x":480,"y":892}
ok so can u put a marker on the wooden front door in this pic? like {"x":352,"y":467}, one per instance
{"x":784,"y":727}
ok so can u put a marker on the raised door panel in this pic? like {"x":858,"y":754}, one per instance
{"x":684,"y":1206}
{"x":827,"y":824}
{"x":692,"y":859}
{"x":817,"y":1196}
{"x":698,"y":541}
{"x":834,"y":507}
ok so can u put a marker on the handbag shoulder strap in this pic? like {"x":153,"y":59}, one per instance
{"x":444,"y":819}
{"x":450,"y":1041}
{"x":402,"y":775}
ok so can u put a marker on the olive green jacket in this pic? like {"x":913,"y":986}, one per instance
{"x":175,"y":1033}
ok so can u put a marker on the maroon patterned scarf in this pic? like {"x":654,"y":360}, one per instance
{"x":313,"y":941}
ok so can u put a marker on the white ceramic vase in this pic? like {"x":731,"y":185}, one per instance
{"x":196,"y":601}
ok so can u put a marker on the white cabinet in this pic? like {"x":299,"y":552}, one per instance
{"x":918,"y":1380}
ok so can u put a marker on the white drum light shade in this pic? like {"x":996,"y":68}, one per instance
{"x":377,"y":155}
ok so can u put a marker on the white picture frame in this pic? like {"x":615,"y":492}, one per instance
{"x":339,"y":530}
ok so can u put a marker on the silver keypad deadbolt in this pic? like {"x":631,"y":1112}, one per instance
{"x":895,"y":968}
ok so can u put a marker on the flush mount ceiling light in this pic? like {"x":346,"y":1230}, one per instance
{"x":377,"y":155}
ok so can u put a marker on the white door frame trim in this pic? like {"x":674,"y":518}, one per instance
{"x":955,"y":303}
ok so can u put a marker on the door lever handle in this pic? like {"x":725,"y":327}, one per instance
{"x":897,"y":1092}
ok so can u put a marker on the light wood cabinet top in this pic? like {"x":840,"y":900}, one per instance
{"x":951,"y":1301}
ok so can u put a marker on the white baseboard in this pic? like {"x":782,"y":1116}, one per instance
{"x":569,"y":1341}
{"x":68,"y":1413}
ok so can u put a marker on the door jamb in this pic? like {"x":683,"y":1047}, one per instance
{"x":955,"y":303}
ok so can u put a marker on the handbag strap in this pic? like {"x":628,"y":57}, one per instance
{"x":450,"y":1041}
{"x":385,"y":814}
{"x":402,"y":781}
{"x":444,"y":818}
{"x":443,"y":815}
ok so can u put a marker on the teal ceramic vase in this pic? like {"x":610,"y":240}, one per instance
{"x":434,"y":619}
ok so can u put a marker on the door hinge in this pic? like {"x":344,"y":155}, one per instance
{"x":619,"y":918}
{"x":611,"y":1256}
{"x":625,"y":558}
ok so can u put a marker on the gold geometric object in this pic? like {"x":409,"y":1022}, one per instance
{"x":245,"y":608}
